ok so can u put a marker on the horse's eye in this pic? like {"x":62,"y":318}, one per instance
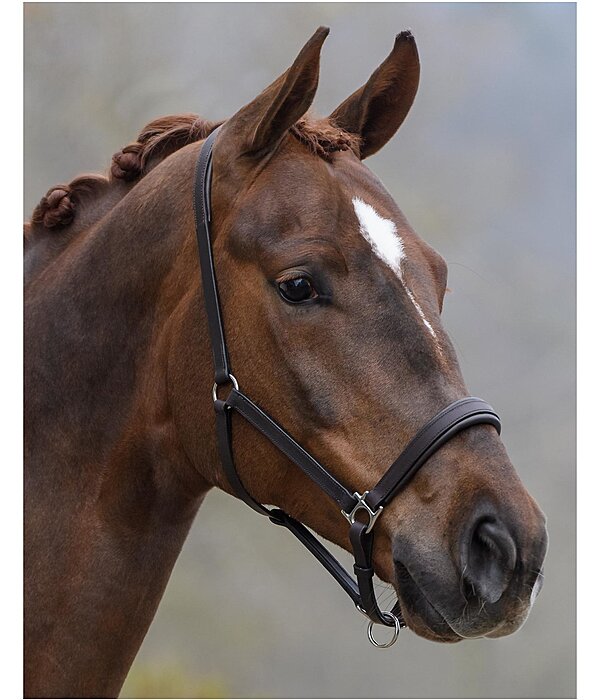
{"x":297,"y":290}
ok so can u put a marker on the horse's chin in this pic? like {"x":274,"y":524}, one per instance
{"x":430,"y":625}
{"x":422,"y":617}
{"x":438,"y":631}
{"x":419,"y":614}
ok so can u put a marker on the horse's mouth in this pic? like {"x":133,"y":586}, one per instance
{"x":419,"y":614}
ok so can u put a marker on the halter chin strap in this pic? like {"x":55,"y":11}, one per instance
{"x":361,"y":510}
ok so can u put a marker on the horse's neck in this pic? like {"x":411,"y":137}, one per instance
{"x":98,"y":324}
{"x":110,"y":493}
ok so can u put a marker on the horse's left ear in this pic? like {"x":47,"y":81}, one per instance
{"x":376,"y":110}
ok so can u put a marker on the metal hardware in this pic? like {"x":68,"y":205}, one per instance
{"x":362,"y":505}
{"x":232,"y":381}
{"x":397,"y":626}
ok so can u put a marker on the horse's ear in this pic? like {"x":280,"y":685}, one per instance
{"x":258,"y":127}
{"x":376,"y":110}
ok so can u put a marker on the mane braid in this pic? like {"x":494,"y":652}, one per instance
{"x":158,"y":140}
{"x":57,"y":206}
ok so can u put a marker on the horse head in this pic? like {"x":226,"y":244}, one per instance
{"x":332,"y":310}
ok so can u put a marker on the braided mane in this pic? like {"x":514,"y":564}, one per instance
{"x":157,"y":140}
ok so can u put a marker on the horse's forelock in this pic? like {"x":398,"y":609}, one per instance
{"x":324,"y":138}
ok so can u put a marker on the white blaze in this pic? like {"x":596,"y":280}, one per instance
{"x":382,"y":235}
{"x":387,"y":244}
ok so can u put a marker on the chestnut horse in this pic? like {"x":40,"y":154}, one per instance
{"x":331,"y":306}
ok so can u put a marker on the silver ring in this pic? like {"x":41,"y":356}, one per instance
{"x":389,"y":616}
{"x":232,"y":380}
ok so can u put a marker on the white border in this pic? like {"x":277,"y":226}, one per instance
{"x":588,"y":260}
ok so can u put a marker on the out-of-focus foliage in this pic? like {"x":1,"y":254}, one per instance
{"x":171,"y":681}
{"x":484,"y":169}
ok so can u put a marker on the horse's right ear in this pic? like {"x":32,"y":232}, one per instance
{"x":257,"y":128}
{"x":375,"y":111}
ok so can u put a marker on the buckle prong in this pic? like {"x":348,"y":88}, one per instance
{"x":361,"y":504}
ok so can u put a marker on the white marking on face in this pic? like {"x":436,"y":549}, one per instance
{"x":387,"y":244}
{"x":381,"y":234}
{"x":420,"y":310}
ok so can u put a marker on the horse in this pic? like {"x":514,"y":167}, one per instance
{"x":331,"y":306}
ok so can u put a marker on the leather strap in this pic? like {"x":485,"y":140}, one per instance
{"x":202,"y":213}
{"x":315,"y":547}
{"x":286,"y":444}
{"x":445,"y":425}
{"x":362,"y":547}
{"x":224,"y":441}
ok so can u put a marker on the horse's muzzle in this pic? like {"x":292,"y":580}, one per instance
{"x":485,"y":587}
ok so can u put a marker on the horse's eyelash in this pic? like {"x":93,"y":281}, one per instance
{"x":293,"y":274}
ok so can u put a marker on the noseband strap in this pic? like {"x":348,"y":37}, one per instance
{"x":361,"y":510}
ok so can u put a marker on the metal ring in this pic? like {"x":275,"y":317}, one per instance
{"x":390,"y":616}
{"x":233,"y":382}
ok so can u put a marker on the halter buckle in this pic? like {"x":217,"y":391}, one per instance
{"x":362,"y":505}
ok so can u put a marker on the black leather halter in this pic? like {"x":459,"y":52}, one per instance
{"x":454,"y":418}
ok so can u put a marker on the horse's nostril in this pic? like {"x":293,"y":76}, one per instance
{"x":488,"y":558}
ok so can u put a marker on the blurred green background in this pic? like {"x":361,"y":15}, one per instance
{"x":484,"y":168}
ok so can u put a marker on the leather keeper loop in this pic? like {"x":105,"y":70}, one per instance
{"x":221,"y":406}
{"x":362,"y":571}
{"x":221,"y":376}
